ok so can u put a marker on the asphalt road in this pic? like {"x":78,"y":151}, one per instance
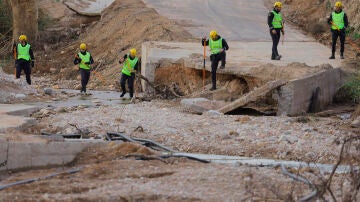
{"x":236,"y":20}
{"x":243,"y":23}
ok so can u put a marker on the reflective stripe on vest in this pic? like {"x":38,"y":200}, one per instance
{"x":23,"y":52}
{"x":129,"y":65}
{"x":84,"y":58}
{"x":338,"y":20}
{"x":215,"y":46}
{"x":277,"y":20}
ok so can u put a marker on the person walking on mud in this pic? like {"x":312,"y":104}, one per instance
{"x":276,"y":25}
{"x":218,"y":46}
{"x":339,"y":22}
{"x":24,"y":58}
{"x":84,"y":59}
{"x":131,"y":63}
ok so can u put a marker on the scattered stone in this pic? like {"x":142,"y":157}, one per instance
{"x":212,"y":113}
{"x":234,"y":133}
{"x":20,"y":96}
{"x":48,"y":91}
{"x":356,"y":123}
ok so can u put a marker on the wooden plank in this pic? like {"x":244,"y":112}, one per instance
{"x":253,"y":95}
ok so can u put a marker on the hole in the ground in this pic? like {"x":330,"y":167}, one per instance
{"x":251,"y":112}
{"x":186,"y":81}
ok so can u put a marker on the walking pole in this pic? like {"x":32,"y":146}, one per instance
{"x":203,"y":71}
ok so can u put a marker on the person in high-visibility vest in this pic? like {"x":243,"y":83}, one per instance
{"x":24,"y":58}
{"x":84,"y":59}
{"x":131,"y":63}
{"x":276,"y":25}
{"x":218,"y":46}
{"x":339,"y":22}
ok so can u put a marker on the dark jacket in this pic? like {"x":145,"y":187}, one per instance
{"x":224,"y":43}
{"x":270,"y":19}
{"x":30,"y":52}
{"x":78,"y":60}
{"x":346,"y":21}
{"x":137,"y":63}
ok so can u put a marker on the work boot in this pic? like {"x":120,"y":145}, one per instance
{"x":122,"y":94}
{"x":222,"y":67}
{"x":213,"y":88}
{"x":342,"y":56}
{"x":276,"y":58}
{"x":332,"y":57}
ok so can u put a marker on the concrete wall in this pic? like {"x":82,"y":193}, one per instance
{"x":24,"y":155}
{"x":295,"y":97}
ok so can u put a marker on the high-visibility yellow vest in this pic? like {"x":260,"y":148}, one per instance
{"x":215,"y":46}
{"x":129,"y":65}
{"x":338,"y":20}
{"x":277,"y":20}
{"x":84,"y":58}
{"x":23,"y":52}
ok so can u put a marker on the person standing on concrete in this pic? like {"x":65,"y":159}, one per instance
{"x":24,"y":58}
{"x":218,"y":46}
{"x":276,"y":25}
{"x":131,"y":63}
{"x":339,"y":22}
{"x":84,"y":59}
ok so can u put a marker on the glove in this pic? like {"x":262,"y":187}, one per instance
{"x":87,"y":63}
{"x":32,"y":63}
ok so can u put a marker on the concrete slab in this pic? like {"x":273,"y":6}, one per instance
{"x":243,"y":20}
{"x":88,"y":7}
{"x":25,"y":155}
{"x":241,"y":58}
{"x":3,"y":154}
{"x":295,"y":97}
{"x":12,"y":116}
{"x":19,"y":156}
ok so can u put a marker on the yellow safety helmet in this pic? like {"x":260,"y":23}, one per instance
{"x":338,"y":4}
{"x":278,"y":4}
{"x":82,"y":46}
{"x":22,"y":38}
{"x":213,"y":34}
{"x":133,"y":52}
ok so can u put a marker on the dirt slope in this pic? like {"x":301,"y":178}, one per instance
{"x":124,"y":24}
{"x":311,"y":16}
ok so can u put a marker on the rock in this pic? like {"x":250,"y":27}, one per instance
{"x":235,"y":86}
{"x":212,"y":113}
{"x":356,"y":123}
{"x":56,"y":87}
{"x":200,"y":105}
{"x":52,"y":70}
{"x":48,"y":91}
{"x":192,"y":105}
{"x":61,"y":110}
{"x":288,"y":138}
{"x":20,"y":96}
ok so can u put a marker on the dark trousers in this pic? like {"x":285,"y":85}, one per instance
{"x":23,"y":65}
{"x":130,"y":80}
{"x":85,"y":76}
{"x":215,"y":59}
{"x":275,"y":39}
{"x":335,"y":35}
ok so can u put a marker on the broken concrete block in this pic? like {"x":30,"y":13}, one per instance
{"x":19,"y":155}
{"x":356,"y":123}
